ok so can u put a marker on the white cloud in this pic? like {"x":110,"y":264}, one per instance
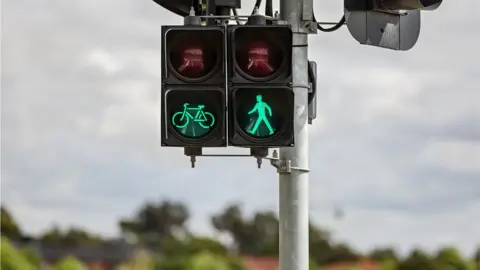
{"x":103,"y":60}
{"x":453,"y":154}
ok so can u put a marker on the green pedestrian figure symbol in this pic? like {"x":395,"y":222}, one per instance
{"x":260,"y":108}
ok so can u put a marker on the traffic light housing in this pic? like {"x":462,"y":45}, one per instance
{"x":261,"y":98}
{"x":391,"y":5}
{"x":193,"y":94}
{"x":390,"y":24}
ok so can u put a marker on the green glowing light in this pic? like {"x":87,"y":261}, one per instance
{"x":193,"y":121}
{"x":258,"y":115}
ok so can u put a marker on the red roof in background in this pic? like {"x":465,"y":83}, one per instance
{"x":261,"y":263}
{"x":271,"y":263}
{"x":360,"y":265}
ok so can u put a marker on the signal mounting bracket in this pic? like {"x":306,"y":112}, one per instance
{"x":284,"y":166}
{"x":309,"y":25}
{"x":258,"y":153}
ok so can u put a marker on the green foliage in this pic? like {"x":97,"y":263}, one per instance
{"x":260,"y":236}
{"x":69,"y":263}
{"x":383,"y":254}
{"x":141,"y":261}
{"x":173,"y":247}
{"x":156,"y":221}
{"x":449,"y":258}
{"x":11,"y":258}
{"x":207,"y":261}
{"x":175,"y":263}
{"x":72,"y":236}
{"x":313,"y":264}
{"x":235,"y":263}
{"x":155,"y":225}
{"x":201,"y":244}
{"x":417,"y":260}
{"x":8,"y":225}
{"x":256,"y":236}
{"x":389,"y":264}
{"x":32,"y":257}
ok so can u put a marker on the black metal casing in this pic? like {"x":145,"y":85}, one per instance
{"x":209,"y":89}
{"x":277,"y":86}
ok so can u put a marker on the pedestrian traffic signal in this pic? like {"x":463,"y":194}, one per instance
{"x":261,"y":114}
{"x":193,"y":86}
{"x":261,"y":100}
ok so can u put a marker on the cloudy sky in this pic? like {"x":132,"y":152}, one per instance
{"x":396,"y":144}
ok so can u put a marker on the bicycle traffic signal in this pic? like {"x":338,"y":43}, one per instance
{"x":193,"y":86}
{"x":261,"y":99}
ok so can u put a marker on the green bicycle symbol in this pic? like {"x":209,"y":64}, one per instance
{"x":182,"y":119}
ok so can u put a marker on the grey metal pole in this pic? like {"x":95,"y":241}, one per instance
{"x":293,"y":197}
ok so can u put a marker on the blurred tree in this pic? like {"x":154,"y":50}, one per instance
{"x":153,"y":222}
{"x":32,"y":257}
{"x":266,"y":231}
{"x":173,"y":247}
{"x":72,"y":236}
{"x":320,"y":247}
{"x":235,"y":263}
{"x":75,"y":236}
{"x":449,"y":258}
{"x":172,"y":263}
{"x":69,"y":263}
{"x":11,"y":258}
{"x":52,"y":235}
{"x":383,"y":254}
{"x":389,"y":264}
{"x":258,"y":236}
{"x":141,"y":260}
{"x":8,"y":225}
{"x":476,"y":259}
{"x":416,"y":260}
{"x":207,"y":261}
{"x":242,"y":231}
{"x":342,"y":253}
{"x":204,"y":244}
{"x":313,"y":264}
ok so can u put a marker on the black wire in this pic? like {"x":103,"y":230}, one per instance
{"x":269,"y":11}
{"x":235,"y":13}
{"x":311,"y":74}
{"x":196,"y":7}
{"x":269,"y":8}
{"x":333,"y":28}
{"x":257,"y":5}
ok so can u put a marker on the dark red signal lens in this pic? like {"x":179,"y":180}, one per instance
{"x":194,"y":55}
{"x":193,"y":62}
{"x":259,"y":58}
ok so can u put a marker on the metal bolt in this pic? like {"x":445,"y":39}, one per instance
{"x":193,"y":159}
{"x":259,"y":162}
